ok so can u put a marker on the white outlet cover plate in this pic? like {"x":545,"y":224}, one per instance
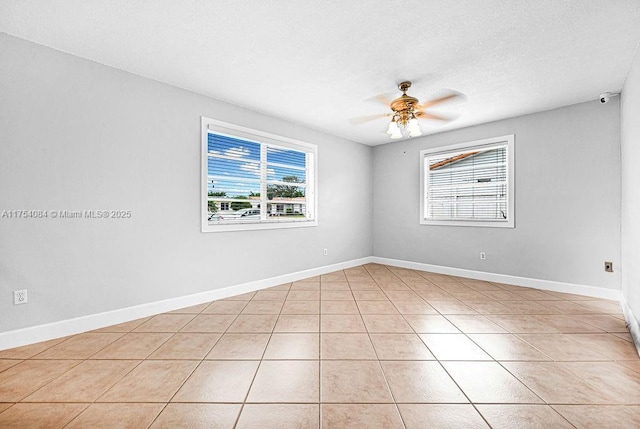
{"x":19,"y":297}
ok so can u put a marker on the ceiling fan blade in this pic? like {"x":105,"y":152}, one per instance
{"x":362,"y":119}
{"x":425,"y":115}
{"x":385,"y":98}
{"x":451,"y":96}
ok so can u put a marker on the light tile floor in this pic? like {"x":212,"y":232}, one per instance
{"x":368,"y":347}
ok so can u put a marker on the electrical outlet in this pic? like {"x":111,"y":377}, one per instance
{"x":19,"y":296}
{"x":483,"y":256}
{"x":325,"y":252}
{"x":608,"y":267}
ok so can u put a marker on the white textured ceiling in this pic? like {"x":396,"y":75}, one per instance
{"x":318,"y":63}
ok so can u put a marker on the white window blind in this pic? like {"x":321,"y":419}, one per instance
{"x":254,"y":179}
{"x":469,"y":183}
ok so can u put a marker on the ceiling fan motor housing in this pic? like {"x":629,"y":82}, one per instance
{"x":404,"y":106}
{"x":404,"y":102}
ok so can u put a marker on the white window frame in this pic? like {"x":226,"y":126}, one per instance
{"x":485,"y":143}
{"x":262,"y":138}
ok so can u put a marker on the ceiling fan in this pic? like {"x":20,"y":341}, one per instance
{"x":406,"y":110}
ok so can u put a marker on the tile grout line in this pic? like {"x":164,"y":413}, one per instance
{"x":517,"y":378}
{"x":443,"y":368}
{"x":200,"y":360}
{"x":88,"y":358}
{"x":320,"y":403}
{"x":488,"y":354}
{"x":447,"y":372}
{"x":384,"y":375}
{"x":89,"y":404}
{"x":192,"y":371}
{"x":253,"y":379}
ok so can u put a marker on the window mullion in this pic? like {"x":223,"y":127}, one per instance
{"x":263,"y":182}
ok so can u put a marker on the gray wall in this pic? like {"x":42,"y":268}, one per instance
{"x":77,"y":135}
{"x":567,"y":200}
{"x":630,"y":128}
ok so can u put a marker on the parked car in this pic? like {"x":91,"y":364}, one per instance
{"x":244,"y":214}
{"x":215,"y":217}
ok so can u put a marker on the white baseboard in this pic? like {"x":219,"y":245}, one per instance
{"x":632,"y":322}
{"x":596,"y":292}
{"x":63,"y":328}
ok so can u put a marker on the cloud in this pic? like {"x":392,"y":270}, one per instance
{"x":237,"y":152}
{"x":251,"y":167}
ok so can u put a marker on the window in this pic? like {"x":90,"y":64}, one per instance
{"x":468,"y":184}
{"x":255,"y":180}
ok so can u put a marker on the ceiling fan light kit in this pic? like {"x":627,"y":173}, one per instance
{"x":403,"y":122}
{"x":406,"y":112}
{"x":394,"y":130}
